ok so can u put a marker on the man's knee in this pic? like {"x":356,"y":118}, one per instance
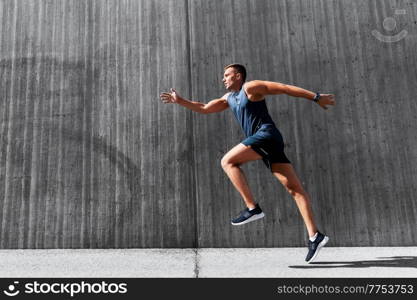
{"x":227,"y":162}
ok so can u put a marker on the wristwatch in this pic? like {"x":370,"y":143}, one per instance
{"x":316,"y":97}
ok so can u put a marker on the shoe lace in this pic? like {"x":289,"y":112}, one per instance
{"x":242,"y":212}
{"x":311,"y":245}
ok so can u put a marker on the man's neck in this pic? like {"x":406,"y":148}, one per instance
{"x":236,"y":89}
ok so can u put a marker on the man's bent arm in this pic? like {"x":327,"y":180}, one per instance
{"x":193,"y":105}
{"x":263,"y":88}
{"x":216,"y":105}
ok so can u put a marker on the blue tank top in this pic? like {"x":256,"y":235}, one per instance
{"x":251,"y":115}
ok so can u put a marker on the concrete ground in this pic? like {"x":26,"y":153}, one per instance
{"x":210,"y":263}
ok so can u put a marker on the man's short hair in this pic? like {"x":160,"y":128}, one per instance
{"x":239,"y":69}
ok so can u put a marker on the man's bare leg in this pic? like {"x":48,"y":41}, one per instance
{"x":289,"y":179}
{"x":231,"y":162}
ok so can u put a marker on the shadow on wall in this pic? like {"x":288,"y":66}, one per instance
{"x":43,"y":86}
{"x":394,"y":262}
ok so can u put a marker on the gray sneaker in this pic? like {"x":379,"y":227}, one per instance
{"x":247,"y":216}
{"x":314,"y":247}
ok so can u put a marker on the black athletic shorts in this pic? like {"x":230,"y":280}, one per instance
{"x":268,"y":143}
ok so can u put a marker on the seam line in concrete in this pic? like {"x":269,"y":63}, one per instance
{"x":192,"y":147}
{"x":196,"y":263}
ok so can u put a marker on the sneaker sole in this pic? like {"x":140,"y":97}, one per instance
{"x":251,"y":219}
{"x":322,"y":243}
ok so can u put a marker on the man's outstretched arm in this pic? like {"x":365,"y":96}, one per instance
{"x":259,"y":88}
{"x":216,"y":105}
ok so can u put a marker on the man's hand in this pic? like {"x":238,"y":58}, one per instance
{"x":325,"y":100}
{"x":171,"y":97}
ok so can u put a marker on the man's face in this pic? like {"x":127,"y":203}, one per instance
{"x":231,"y":78}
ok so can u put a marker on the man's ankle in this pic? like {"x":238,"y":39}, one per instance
{"x":251,"y":207}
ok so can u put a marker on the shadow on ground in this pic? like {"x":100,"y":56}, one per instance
{"x":386,"y":262}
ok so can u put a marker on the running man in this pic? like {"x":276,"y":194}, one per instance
{"x":263,"y":141}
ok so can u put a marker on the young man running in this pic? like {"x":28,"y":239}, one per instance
{"x":263,"y":141}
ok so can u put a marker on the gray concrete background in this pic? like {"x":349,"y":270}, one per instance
{"x":356,"y":160}
{"x":354,"y":262}
{"x":87,"y":160}
{"x":90,"y":158}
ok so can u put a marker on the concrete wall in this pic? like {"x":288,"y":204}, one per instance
{"x":90,"y":158}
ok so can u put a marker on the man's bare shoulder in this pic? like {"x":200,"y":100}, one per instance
{"x":253,"y":84}
{"x":254,"y":90}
